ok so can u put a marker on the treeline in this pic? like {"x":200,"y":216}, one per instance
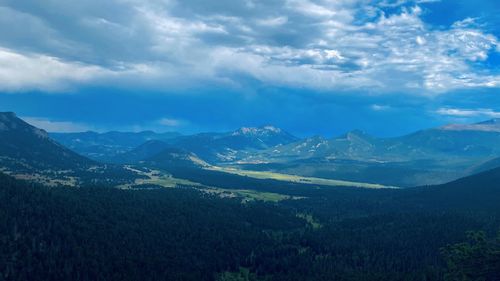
{"x":183,"y":234}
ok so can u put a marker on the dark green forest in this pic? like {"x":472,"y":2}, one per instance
{"x":96,"y":233}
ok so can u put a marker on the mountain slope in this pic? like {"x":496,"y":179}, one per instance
{"x":259,"y":138}
{"x":29,"y":153}
{"x":487,"y":165}
{"x":492,"y":125}
{"x":458,"y":143}
{"x":227,"y":147}
{"x":22,"y":145}
{"x":484,"y":182}
{"x":173,"y":158}
{"x":214,"y":147}
{"x":430,"y":156}
{"x":352,"y":145}
{"x":142,"y":152}
{"x":476,"y":192}
{"x":105,"y":146}
{"x":425,"y":144}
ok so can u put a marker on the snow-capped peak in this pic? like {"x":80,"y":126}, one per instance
{"x":272,"y":129}
{"x":260,"y":131}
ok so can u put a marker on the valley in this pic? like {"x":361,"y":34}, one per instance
{"x":295,"y":178}
{"x":430,"y":156}
{"x":251,"y":140}
{"x":243,"y":210}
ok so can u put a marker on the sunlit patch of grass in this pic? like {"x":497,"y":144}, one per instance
{"x":249,"y":195}
{"x":159,"y":178}
{"x":262,"y":196}
{"x":295,"y":178}
{"x":156,"y":177}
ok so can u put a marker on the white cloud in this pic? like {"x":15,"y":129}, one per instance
{"x":24,"y":72}
{"x":310,"y":8}
{"x":20,"y":72}
{"x":270,"y":22}
{"x":457,"y":112}
{"x":323,"y":44}
{"x":170,"y":122}
{"x":420,"y":40}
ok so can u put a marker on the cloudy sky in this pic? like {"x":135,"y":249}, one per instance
{"x":310,"y":66}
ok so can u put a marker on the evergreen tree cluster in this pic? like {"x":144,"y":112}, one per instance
{"x":95,"y":233}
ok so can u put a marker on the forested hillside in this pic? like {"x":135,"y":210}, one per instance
{"x":181,"y":234}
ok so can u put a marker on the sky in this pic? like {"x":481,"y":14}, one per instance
{"x":311,"y":67}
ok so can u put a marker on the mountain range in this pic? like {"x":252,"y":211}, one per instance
{"x":429,"y":156}
{"x":120,"y":147}
{"x":171,"y":207}
{"x":104,"y":146}
{"x":426,"y":157}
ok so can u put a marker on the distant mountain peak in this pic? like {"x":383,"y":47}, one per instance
{"x":356,"y":134}
{"x":8,"y":114}
{"x":315,"y":138}
{"x":272,"y":129}
{"x":176,"y":157}
{"x":492,"y":125}
{"x":257,"y":131}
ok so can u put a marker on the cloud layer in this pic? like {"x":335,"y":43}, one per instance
{"x":468,"y":113}
{"x":337,"y":45}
